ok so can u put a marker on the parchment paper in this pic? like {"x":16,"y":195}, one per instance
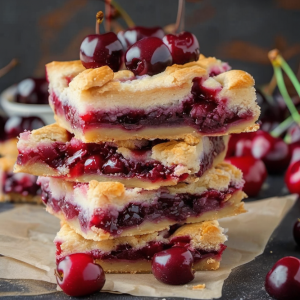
{"x":27,"y":232}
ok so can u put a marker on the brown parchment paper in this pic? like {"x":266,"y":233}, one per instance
{"x":27,"y":232}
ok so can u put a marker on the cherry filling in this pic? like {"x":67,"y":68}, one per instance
{"x":126,"y":252}
{"x":103,"y":159}
{"x":20,"y":183}
{"x":201,"y":110}
{"x":175,"y":207}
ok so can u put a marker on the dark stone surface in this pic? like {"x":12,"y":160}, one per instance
{"x":244,"y":283}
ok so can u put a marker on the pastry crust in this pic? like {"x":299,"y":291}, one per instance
{"x":102,"y":194}
{"x":209,"y":232}
{"x":187,"y":158}
{"x":97,"y":135}
{"x":114,"y":197}
{"x":233,"y":207}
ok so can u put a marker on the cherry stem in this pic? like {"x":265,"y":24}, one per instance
{"x":99,"y":20}
{"x":180,"y":13}
{"x":8,"y":67}
{"x":58,"y":274}
{"x":282,"y":127}
{"x":123,"y":13}
{"x":108,"y":15}
{"x":276,"y":62}
{"x":268,"y":90}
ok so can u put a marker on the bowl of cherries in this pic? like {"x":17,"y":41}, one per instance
{"x":28,"y":97}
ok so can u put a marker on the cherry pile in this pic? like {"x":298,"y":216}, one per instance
{"x":256,"y":153}
{"x":148,"y":50}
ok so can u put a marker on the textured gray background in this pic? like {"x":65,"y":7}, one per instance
{"x":238,"y":31}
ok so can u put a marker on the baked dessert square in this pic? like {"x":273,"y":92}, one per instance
{"x":53,"y":151}
{"x":106,"y":210}
{"x":100,"y":105}
{"x":17,"y":187}
{"x":133,"y":254}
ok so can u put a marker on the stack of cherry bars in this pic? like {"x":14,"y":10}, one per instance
{"x":134,"y":164}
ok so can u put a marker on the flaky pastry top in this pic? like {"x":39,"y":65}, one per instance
{"x":103,"y":89}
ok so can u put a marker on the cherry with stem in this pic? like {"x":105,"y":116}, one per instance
{"x":98,"y":50}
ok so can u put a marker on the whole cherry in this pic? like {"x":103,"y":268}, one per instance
{"x":15,"y":125}
{"x":32,"y":91}
{"x":283,"y":280}
{"x":99,"y":50}
{"x":292,"y":177}
{"x":148,"y":56}
{"x":274,"y":152}
{"x":78,"y":275}
{"x":295,"y":151}
{"x":130,"y":36}
{"x":240,"y":144}
{"x":184,"y":47}
{"x":296,"y":232}
{"x":173,"y":266}
{"x":254,"y":173}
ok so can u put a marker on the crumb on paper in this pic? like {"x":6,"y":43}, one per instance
{"x":199,"y":287}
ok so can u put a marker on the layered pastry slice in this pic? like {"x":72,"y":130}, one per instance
{"x":106,"y":210}
{"x":17,"y":187}
{"x":100,"y":105}
{"x":52,"y":151}
{"x":133,"y":254}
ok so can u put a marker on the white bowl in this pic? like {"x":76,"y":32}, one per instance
{"x":12,"y":108}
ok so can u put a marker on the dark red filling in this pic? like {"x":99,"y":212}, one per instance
{"x":103,"y":159}
{"x":126,"y":252}
{"x":24,"y":185}
{"x":175,"y":207}
{"x":201,"y":111}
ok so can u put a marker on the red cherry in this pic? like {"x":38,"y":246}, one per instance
{"x":295,"y":151}
{"x":93,"y":163}
{"x":16,"y":125}
{"x":240,"y":144}
{"x":292,"y":177}
{"x":283,"y":280}
{"x":254,"y":173}
{"x":148,"y":56}
{"x":134,"y":34}
{"x":32,"y":91}
{"x":113,"y":165}
{"x":99,"y":50}
{"x":296,"y":232}
{"x":274,"y":152}
{"x":173,"y":266}
{"x":78,"y":275}
{"x":184,"y":47}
